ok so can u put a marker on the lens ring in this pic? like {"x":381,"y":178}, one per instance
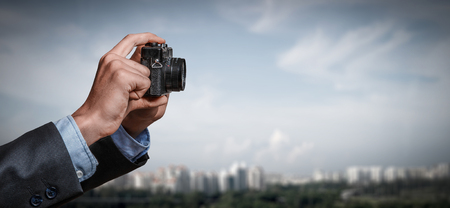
{"x":183,"y":75}
{"x":176,"y":75}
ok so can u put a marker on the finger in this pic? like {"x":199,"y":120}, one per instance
{"x":124,"y":47}
{"x":141,"y":87}
{"x":157,"y":101}
{"x":136,"y":84}
{"x":147,"y":103}
{"x":125,"y":63}
{"x":134,"y":96}
{"x":137,"y":67}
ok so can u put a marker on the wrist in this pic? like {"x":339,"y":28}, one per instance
{"x":87,"y":127}
{"x":134,"y":125}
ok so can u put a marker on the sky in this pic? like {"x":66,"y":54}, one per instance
{"x":292,"y":86}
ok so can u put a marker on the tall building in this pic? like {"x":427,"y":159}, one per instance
{"x":182,"y":184}
{"x":226,"y":181}
{"x":376,"y":174}
{"x":239,"y":171}
{"x":198,"y":181}
{"x":223,"y":181}
{"x":390,"y":174}
{"x":353,"y":175}
{"x":212,"y":183}
{"x":256,"y":178}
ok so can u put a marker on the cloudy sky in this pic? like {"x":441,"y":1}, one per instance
{"x":292,"y":86}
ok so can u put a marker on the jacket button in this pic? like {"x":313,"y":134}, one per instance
{"x":51,"y":192}
{"x":36,"y":200}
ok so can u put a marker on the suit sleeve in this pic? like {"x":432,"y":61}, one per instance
{"x":111,"y":163}
{"x":36,"y":169}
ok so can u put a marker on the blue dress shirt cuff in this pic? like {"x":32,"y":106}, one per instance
{"x":131,"y":148}
{"x":83,"y":160}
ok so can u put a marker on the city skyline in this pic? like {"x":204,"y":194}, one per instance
{"x":179,"y":179}
{"x":240,"y":177}
{"x":293,"y":86}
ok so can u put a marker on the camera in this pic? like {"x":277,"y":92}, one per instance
{"x":167,"y":74}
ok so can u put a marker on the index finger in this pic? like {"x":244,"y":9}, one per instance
{"x":124,"y":47}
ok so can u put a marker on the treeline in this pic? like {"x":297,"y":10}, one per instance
{"x":411,"y":194}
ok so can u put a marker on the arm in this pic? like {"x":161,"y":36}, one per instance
{"x":36,"y":169}
{"x":101,"y":115}
{"x":39,"y":161}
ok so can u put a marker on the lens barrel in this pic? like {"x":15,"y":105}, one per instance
{"x":176,"y":75}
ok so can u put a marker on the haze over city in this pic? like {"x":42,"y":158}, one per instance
{"x":292,"y":86}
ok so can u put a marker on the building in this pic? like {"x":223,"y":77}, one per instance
{"x":441,"y":170}
{"x":225,"y":181}
{"x":376,"y":174}
{"x":318,"y":176}
{"x":364,"y":174}
{"x":198,"y":181}
{"x":212,"y":183}
{"x":256,"y":178}
{"x":239,"y":172}
{"x":182,"y":183}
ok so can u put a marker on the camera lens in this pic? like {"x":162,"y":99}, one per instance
{"x":176,"y":75}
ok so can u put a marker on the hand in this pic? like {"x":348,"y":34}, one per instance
{"x":118,"y":88}
{"x":138,"y":120}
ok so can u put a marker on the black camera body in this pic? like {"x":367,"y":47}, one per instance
{"x":167,"y":74}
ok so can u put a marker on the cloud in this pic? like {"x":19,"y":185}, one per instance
{"x":298,"y":151}
{"x":211,"y":148}
{"x":273,"y":153}
{"x":233,"y":147}
{"x":348,"y":60}
{"x":230,"y":148}
{"x":281,"y":150}
{"x":271,"y":13}
{"x":258,"y":16}
{"x":278,"y":140}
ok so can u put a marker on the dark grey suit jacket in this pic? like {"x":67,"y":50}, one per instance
{"x":36,"y":169}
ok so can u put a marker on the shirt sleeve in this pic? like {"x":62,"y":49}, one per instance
{"x":131,"y":148}
{"x":83,"y":160}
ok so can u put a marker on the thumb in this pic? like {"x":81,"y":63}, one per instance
{"x":137,"y":54}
